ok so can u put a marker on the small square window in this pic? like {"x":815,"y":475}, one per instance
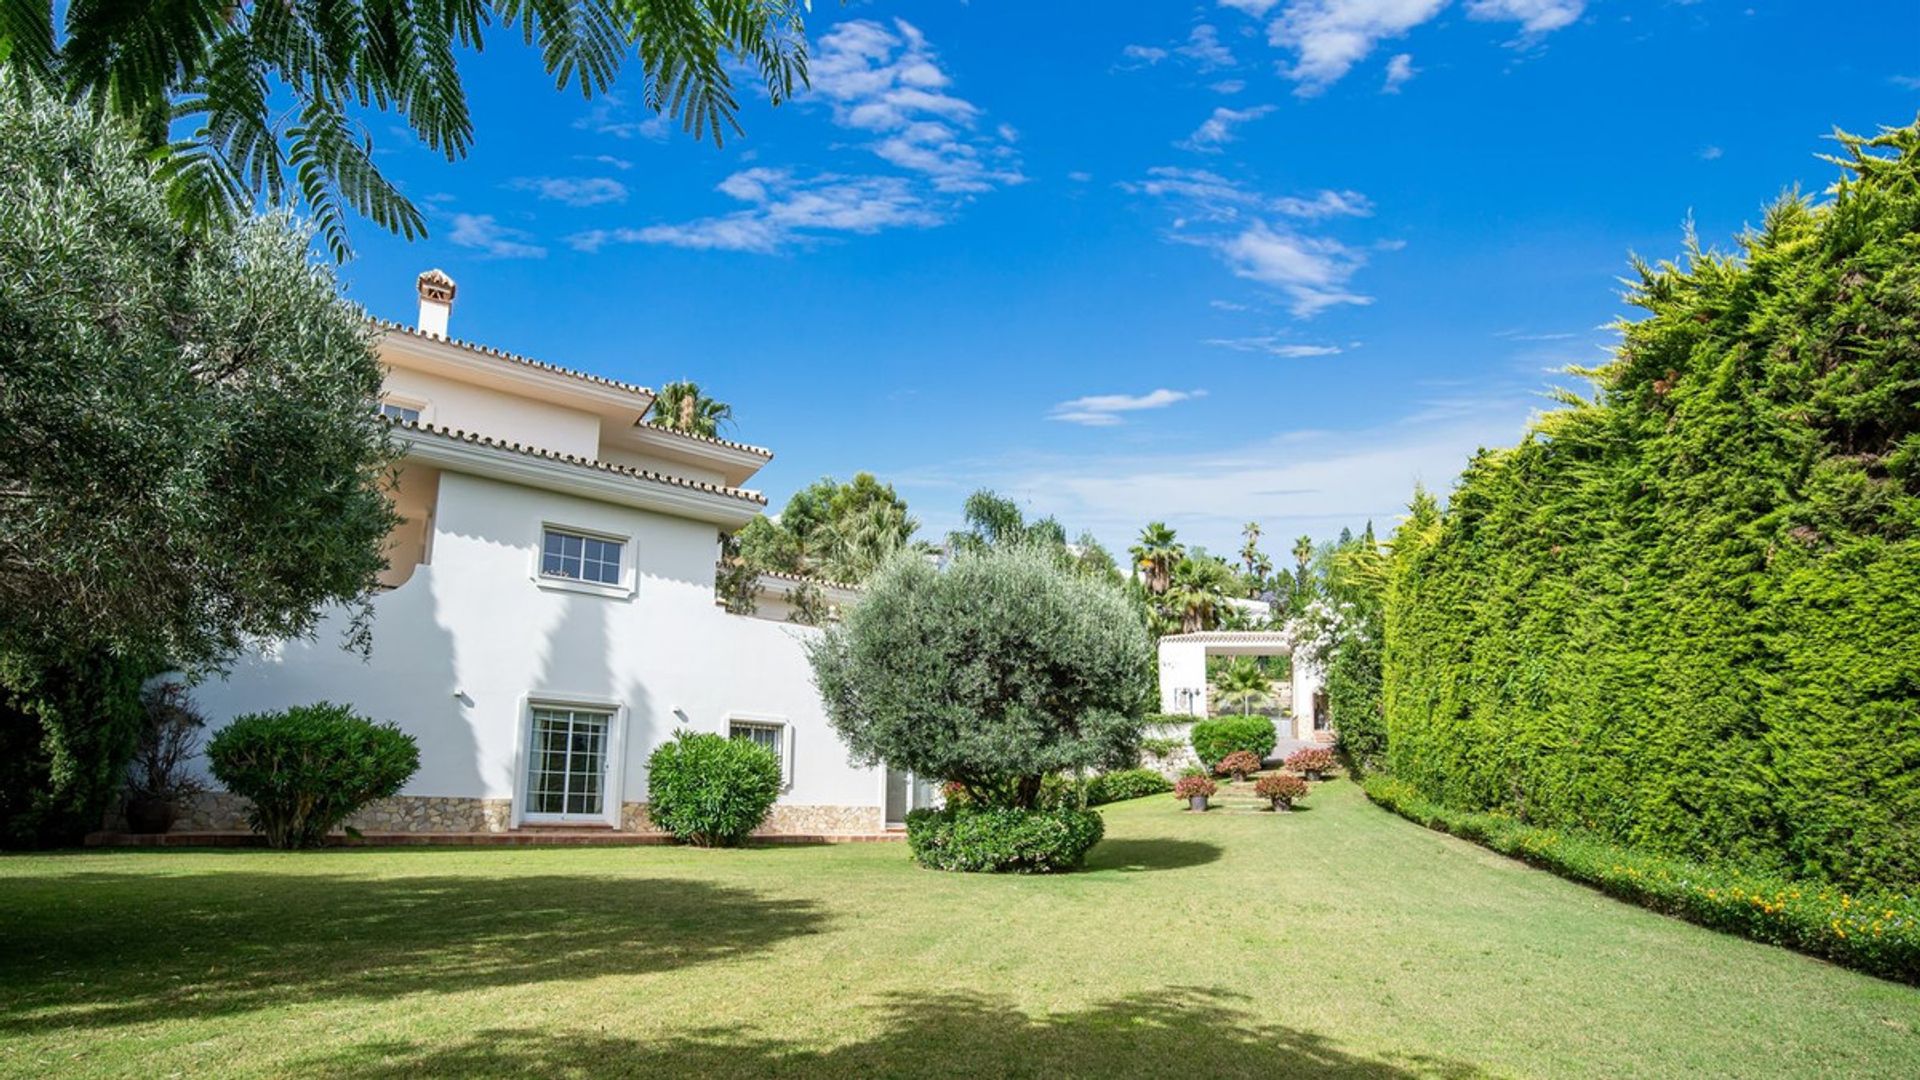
{"x":770,"y":735}
{"x":399,"y":412}
{"x":576,"y":557}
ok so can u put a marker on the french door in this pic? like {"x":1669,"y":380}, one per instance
{"x":567,"y":765}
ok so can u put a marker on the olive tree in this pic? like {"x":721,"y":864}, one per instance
{"x":993,"y":673}
{"x":190,"y":460}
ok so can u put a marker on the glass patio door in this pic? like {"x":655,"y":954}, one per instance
{"x":568,"y":765}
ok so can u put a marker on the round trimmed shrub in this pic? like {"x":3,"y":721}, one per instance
{"x":1126,"y":784}
{"x":308,"y":768}
{"x":1214,"y":739}
{"x":709,"y":790}
{"x":1240,"y":764}
{"x":1003,"y":840}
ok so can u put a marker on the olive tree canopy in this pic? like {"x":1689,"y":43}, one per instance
{"x":992,"y":673}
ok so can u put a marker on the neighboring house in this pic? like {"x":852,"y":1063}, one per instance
{"x":549,"y":614}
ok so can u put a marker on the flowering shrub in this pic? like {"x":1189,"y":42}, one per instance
{"x":1878,"y":933}
{"x":1188,"y":786}
{"x":1281,"y":785}
{"x":709,"y":790}
{"x":1238,"y":764}
{"x":1310,"y":760}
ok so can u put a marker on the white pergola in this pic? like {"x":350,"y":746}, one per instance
{"x":1184,"y":688}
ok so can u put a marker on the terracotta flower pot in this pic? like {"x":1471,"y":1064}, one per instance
{"x":1197,"y":803}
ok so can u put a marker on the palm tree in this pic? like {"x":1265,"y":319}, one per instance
{"x":1155,"y":555}
{"x":1197,"y":590}
{"x":1243,"y":679}
{"x":1250,"y":547}
{"x":858,"y":543}
{"x":680,"y":406}
{"x":247,"y":100}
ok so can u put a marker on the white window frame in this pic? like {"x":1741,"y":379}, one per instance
{"x":612,"y":783}
{"x":621,"y":589}
{"x":765,"y":720}
{"x":419,"y":407}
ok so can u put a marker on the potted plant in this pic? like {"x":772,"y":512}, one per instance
{"x":1240,"y":764}
{"x":1280,"y":790}
{"x":1196,"y":790}
{"x":158,"y":780}
{"x":1312,"y":762}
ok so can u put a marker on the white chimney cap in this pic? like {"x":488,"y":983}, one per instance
{"x":436,"y":301}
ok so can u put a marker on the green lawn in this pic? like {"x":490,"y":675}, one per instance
{"x":1338,"y":941}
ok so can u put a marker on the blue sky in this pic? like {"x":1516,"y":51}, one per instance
{"x":1269,"y":260}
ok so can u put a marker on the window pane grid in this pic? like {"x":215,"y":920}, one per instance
{"x":567,"y":762}
{"x":771,"y":736}
{"x":580,"y":558}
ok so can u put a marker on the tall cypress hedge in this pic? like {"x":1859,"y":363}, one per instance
{"x":1685,"y":614}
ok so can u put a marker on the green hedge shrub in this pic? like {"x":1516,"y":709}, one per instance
{"x":1682,"y":615}
{"x":709,"y":790}
{"x":1003,"y":841}
{"x":1876,"y":932}
{"x":308,"y":768}
{"x":1216,"y":738}
{"x":1126,"y":784}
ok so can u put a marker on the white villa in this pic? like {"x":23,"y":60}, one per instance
{"x":549,"y":615}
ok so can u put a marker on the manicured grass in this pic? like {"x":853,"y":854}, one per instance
{"x":1340,"y":941}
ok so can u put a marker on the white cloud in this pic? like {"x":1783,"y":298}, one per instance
{"x":1226,"y":305}
{"x":1204,"y":49}
{"x":888,"y":82}
{"x":1217,"y":130}
{"x":609,"y":116}
{"x":1143,"y":55}
{"x":1104,"y":410}
{"x":1256,"y":8}
{"x":1908,"y":82}
{"x":1247,"y":230}
{"x":1328,"y":37}
{"x":885,"y":83}
{"x":1296,"y":481}
{"x":482,"y":233}
{"x":608,"y":160}
{"x":574,"y":190}
{"x":1208,"y":196}
{"x":783,"y":211}
{"x":1273,"y":346}
{"x":1710,"y":153}
{"x":1228,"y":86}
{"x":1312,"y":271}
{"x":1400,"y":70}
{"x":1536,"y":17}
{"x":1079,"y":176}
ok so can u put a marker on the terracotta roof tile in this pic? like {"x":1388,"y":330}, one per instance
{"x":586,"y":463}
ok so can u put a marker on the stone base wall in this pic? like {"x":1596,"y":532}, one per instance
{"x":785,"y":820}
{"x":220,"y":811}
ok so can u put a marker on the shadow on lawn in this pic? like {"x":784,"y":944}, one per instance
{"x":1180,"y":1032}
{"x":139,"y":948}
{"x":1135,"y":855}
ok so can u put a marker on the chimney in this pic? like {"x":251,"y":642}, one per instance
{"x":436,"y":302}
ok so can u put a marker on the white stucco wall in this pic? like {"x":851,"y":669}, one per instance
{"x":462,"y":646}
{"x":483,"y":410}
